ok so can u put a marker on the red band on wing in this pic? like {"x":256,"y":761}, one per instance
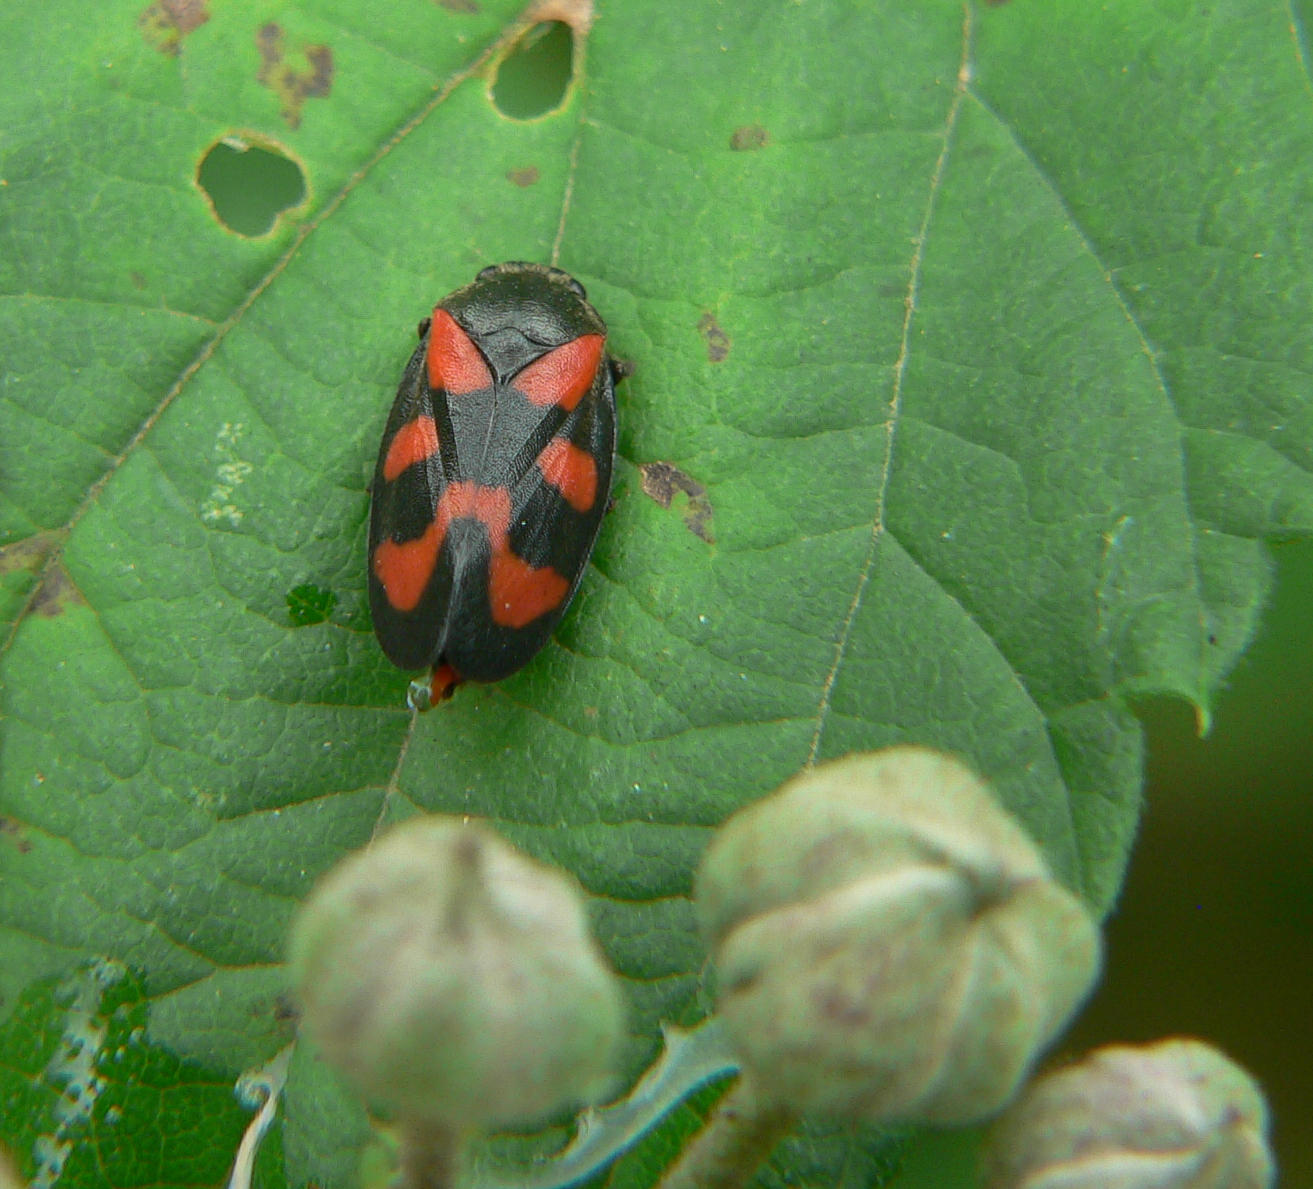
{"x":414,"y":442}
{"x":563,"y":375}
{"x":517,"y":592}
{"x":571,"y":471}
{"x":454,"y":362}
{"x":491,"y":506}
{"x":405,"y":569}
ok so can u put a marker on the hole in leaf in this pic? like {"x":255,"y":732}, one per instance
{"x":248,"y":185}
{"x":532,"y":79}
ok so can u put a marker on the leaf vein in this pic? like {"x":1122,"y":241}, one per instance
{"x":896,"y":397}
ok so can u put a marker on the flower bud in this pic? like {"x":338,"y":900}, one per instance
{"x":453,"y":979}
{"x":889,"y":943}
{"x":1172,"y":1115}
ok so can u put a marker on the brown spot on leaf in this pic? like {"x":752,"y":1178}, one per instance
{"x":56,"y":594}
{"x":524,"y":177}
{"x":166,"y":22}
{"x":717,"y":340}
{"x":469,"y":7}
{"x":748,"y":138}
{"x":292,"y":86}
{"x":665,"y":483}
{"x":28,"y":554}
{"x":137,"y":279}
{"x":13,"y":832}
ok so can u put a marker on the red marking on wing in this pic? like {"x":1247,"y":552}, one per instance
{"x":414,"y":442}
{"x":491,"y":506}
{"x":405,"y":569}
{"x":571,"y":471}
{"x":519,"y":592}
{"x":563,"y":375}
{"x":454,"y":362}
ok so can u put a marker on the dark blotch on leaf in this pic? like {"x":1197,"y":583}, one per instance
{"x":524,"y":177}
{"x":12,"y":830}
{"x":166,"y":22}
{"x":56,"y":594}
{"x":468,"y":7}
{"x":28,"y":554}
{"x":665,"y":482}
{"x":285,"y":1009}
{"x":308,"y":603}
{"x":292,"y":86}
{"x":748,"y":138}
{"x":717,"y":340}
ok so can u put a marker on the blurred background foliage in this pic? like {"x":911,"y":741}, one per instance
{"x":1213,"y":933}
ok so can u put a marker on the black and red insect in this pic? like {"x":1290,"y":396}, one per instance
{"x":493,"y":476}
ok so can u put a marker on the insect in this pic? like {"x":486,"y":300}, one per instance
{"x":492,"y":478}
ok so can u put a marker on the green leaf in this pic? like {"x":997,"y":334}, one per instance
{"x":85,"y":1086}
{"x":971,"y":354}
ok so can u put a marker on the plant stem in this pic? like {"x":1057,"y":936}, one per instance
{"x":429,"y":1156}
{"x":741,"y":1133}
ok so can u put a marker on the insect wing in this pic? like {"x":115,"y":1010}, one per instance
{"x":406,"y":583}
{"x":558,"y":492}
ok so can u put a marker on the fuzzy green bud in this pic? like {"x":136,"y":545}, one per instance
{"x":1172,"y":1115}
{"x":452,"y":978}
{"x":889,"y":943}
